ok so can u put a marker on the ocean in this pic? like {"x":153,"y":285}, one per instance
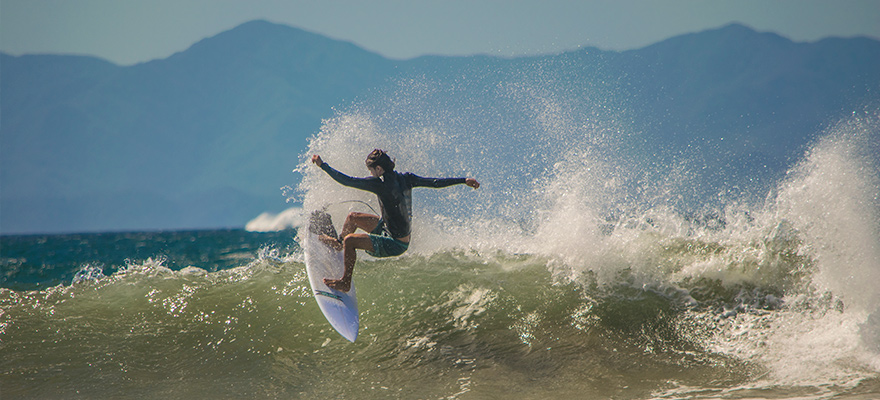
{"x":577,"y":270}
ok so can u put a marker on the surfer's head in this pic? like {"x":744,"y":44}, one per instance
{"x":379,"y":158}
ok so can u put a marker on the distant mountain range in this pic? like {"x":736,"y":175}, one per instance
{"x":207,"y":137}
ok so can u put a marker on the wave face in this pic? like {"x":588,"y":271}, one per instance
{"x":582,"y":267}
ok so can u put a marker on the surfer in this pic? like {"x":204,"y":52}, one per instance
{"x":389,"y":234}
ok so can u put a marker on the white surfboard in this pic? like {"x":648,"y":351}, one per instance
{"x":340,"y":308}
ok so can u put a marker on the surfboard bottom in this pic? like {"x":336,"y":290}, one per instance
{"x":340,"y":308}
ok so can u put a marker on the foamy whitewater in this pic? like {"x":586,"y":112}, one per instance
{"x":580,"y":268}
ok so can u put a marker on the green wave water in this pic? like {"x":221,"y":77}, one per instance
{"x":452,"y":324}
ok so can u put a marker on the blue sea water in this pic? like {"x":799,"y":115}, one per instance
{"x":33,"y":262}
{"x":576,"y":270}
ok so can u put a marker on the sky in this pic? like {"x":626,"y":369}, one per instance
{"x":127,"y":32}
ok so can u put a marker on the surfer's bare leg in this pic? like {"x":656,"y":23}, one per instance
{"x":351,"y":243}
{"x":355,"y":220}
{"x":333,"y":242}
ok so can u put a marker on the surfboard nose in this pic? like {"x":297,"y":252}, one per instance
{"x":320,"y":223}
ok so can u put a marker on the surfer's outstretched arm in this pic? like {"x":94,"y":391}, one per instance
{"x":371,"y":184}
{"x":417,"y":181}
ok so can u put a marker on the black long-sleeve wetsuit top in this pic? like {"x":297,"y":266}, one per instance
{"x":395,"y":194}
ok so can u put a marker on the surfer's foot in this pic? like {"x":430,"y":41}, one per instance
{"x":333,"y":242}
{"x":342,"y":285}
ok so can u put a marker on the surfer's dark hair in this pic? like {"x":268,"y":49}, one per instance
{"x":379,"y":158}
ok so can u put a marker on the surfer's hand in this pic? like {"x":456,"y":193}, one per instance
{"x":472,"y":183}
{"x":317,"y":160}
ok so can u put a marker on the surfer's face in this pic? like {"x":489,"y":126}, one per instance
{"x":376,"y":171}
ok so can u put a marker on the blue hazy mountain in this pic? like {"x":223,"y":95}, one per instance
{"x":208,"y":136}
